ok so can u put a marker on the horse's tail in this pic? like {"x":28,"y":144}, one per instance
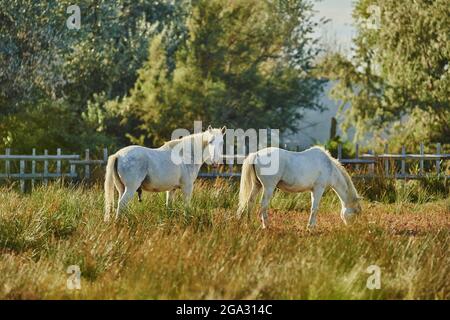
{"x":249,"y":181}
{"x":110,"y":176}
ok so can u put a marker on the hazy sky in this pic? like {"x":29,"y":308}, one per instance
{"x":338,"y":32}
{"x":340,"y":28}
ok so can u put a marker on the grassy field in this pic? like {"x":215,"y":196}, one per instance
{"x":153,"y":253}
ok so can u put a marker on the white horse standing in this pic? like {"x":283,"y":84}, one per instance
{"x":311,"y":170}
{"x":135,"y":168}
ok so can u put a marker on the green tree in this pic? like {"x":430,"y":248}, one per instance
{"x":397,"y":81}
{"x":243,"y":64}
{"x":46,"y":67}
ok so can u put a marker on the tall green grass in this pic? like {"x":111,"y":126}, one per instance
{"x":206,"y":253}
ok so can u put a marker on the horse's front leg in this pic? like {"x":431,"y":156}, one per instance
{"x":187,"y":195}
{"x":316,"y":195}
{"x":250,"y":203}
{"x":267,"y":195}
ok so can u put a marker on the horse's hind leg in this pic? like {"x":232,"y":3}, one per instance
{"x":169,"y":197}
{"x":120,"y":188}
{"x":267,"y":195}
{"x":251,"y":201}
{"x":316,"y":195}
{"x":126,"y":197}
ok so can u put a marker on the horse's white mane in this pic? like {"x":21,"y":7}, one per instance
{"x":172,"y":143}
{"x":341,"y":169}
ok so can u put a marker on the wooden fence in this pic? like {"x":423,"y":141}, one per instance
{"x":369,"y":164}
{"x":43,"y":167}
{"x":387,"y":163}
{"x":69,"y":166}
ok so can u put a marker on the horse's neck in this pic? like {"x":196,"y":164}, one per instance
{"x":193,"y":167}
{"x":344,"y":191}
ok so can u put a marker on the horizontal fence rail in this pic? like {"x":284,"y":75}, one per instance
{"x":44,"y":167}
{"x":53,"y":166}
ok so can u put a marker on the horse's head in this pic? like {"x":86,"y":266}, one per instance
{"x":214,"y":140}
{"x":351,"y":211}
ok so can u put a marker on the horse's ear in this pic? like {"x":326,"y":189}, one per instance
{"x":209,"y":128}
{"x":224,"y":128}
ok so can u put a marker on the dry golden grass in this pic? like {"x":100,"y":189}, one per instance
{"x":152,"y":253}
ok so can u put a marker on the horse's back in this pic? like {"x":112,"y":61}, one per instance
{"x":151,"y":166}
{"x":297,"y":171}
{"x":139,"y":152}
{"x":314,"y":161}
{"x":127,"y":157}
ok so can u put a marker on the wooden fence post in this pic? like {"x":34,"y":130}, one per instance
{"x":357,"y":155}
{"x":403,"y":161}
{"x":421,"y":160}
{"x":386,"y":160}
{"x":372,"y":165}
{"x":45,"y":168}
{"x":22,"y":172}
{"x":58,"y":163}
{"x":339,"y":152}
{"x":73,"y":171}
{"x":87,"y":169}
{"x":33,"y":168}
{"x":7,"y":166}
{"x":438,"y":161}
{"x":105,"y":155}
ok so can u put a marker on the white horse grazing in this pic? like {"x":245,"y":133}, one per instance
{"x":311,"y":170}
{"x":134,"y":168}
